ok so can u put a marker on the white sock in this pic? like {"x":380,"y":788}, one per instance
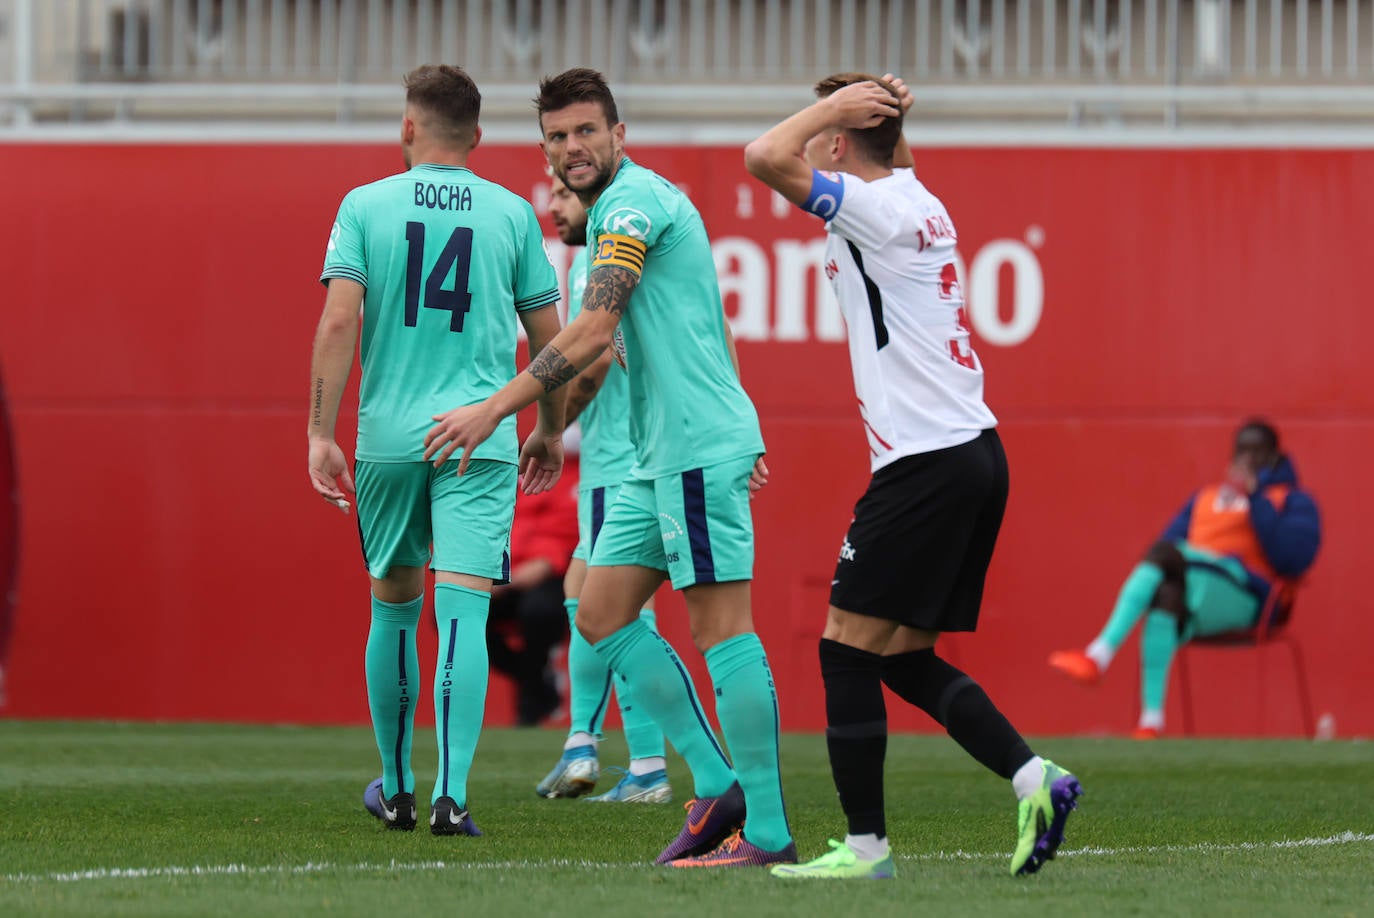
{"x":867,"y":847}
{"x":1029,"y":777}
{"x":580,"y":738}
{"x":1101,"y":653}
{"x":1154,"y":719}
{"x":647,"y":764}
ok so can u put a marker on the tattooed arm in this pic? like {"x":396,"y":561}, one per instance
{"x":330,"y":363}
{"x":541,"y":327}
{"x":603,"y":303}
{"x":578,"y":345}
{"x":541,"y":455}
{"x":586,"y":384}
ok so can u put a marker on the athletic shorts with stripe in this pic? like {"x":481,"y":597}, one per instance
{"x":696,"y":525}
{"x":404,"y":507}
{"x":592,"y":504}
{"x":923,"y":533}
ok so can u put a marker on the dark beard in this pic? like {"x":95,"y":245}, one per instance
{"x":589,"y":194}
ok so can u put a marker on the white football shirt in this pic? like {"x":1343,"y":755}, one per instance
{"x":890,"y":259}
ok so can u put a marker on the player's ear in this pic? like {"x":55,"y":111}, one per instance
{"x":407,"y":130}
{"x":476,"y":137}
{"x":618,"y":133}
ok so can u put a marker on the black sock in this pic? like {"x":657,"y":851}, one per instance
{"x":856,"y":733}
{"x":960,"y":706}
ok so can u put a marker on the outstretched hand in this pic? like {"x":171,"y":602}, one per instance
{"x":541,"y":462}
{"x":862,"y":105}
{"x":329,"y":474}
{"x":462,"y":428}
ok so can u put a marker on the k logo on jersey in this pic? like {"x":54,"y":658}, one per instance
{"x":333,"y":238}
{"x":628,"y":222}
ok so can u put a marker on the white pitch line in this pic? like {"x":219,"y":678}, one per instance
{"x":1344,"y":838}
{"x":230,"y":870}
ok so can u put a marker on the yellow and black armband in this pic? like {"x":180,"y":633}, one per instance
{"x":621,"y":251}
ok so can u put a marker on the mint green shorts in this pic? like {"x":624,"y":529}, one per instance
{"x":695,"y":525}
{"x":1216,"y":593}
{"x":592,"y":504}
{"x":405,"y":507}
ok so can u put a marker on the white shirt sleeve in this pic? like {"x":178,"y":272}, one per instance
{"x":866,"y":216}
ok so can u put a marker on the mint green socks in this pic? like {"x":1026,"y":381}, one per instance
{"x":460,"y":684}
{"x":642,"y":735}
{"x":1131,"y":603}
{"x":1158,"y":644}
{"x":662,"y":687}
{"x":747,"y":706}
{"x":589,"y":680}
{"x":393,"y":679}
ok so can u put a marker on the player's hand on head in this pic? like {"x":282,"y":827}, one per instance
{"x":862,"y":105}
{"x":541,"y":462}
{"x":904,"y":97}
{"x":329,"y":474}
{"x":462,"y":428}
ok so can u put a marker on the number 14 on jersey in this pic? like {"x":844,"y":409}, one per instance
{"x":455,"y":257}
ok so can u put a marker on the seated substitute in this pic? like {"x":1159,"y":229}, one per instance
{"x":1211,"y":571}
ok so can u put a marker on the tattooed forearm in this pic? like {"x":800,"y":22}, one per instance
{"x":609,"y":288}
{"x":551,"y":368}
{"x":319,"y":401}
{"x":580,"y":395}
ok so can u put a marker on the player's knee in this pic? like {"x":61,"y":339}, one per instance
{"x":708,"y":632}
{"x":1167,"y":557}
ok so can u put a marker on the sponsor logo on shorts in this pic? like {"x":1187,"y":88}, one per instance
{"x":669,"y":527}
{"x":846,"y":551}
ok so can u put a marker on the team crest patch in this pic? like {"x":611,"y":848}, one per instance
{"x":628,"y":222}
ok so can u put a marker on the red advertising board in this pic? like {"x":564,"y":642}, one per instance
{"x":1130,"y":306}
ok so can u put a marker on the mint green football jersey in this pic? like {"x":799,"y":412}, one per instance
{"x":687,"y":407}
{"x":447,"y":258}
{"x":607,"y":452}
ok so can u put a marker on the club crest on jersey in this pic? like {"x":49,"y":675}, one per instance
{"x":628,"y":222}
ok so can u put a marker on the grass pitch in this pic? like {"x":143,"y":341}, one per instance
{"x":114,"y":819}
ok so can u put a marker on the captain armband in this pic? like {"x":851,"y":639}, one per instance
{"x":621,"y":251}
{"x":827,"y":193}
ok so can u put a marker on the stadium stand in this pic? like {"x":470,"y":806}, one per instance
{"x":692,"y":66}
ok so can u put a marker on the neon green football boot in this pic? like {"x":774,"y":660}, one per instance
{"x":1040,"y":819}
{"x":840,"y":864}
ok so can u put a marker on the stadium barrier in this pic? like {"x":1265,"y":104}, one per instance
{"x":1129,"y":306}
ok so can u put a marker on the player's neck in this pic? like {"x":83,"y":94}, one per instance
{"x":865,"y":170}
{"x":434,"y":155}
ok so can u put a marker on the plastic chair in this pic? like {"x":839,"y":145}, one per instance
{"x":1271,"y":628}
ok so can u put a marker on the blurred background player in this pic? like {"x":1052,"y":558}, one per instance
{"x":527,"y":621}
{"x":1211,"y":571}
{"x":914,"y":560}
{"x":598,"y":399}
{"x":413,"y":246}
{"x":684,"y":512}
